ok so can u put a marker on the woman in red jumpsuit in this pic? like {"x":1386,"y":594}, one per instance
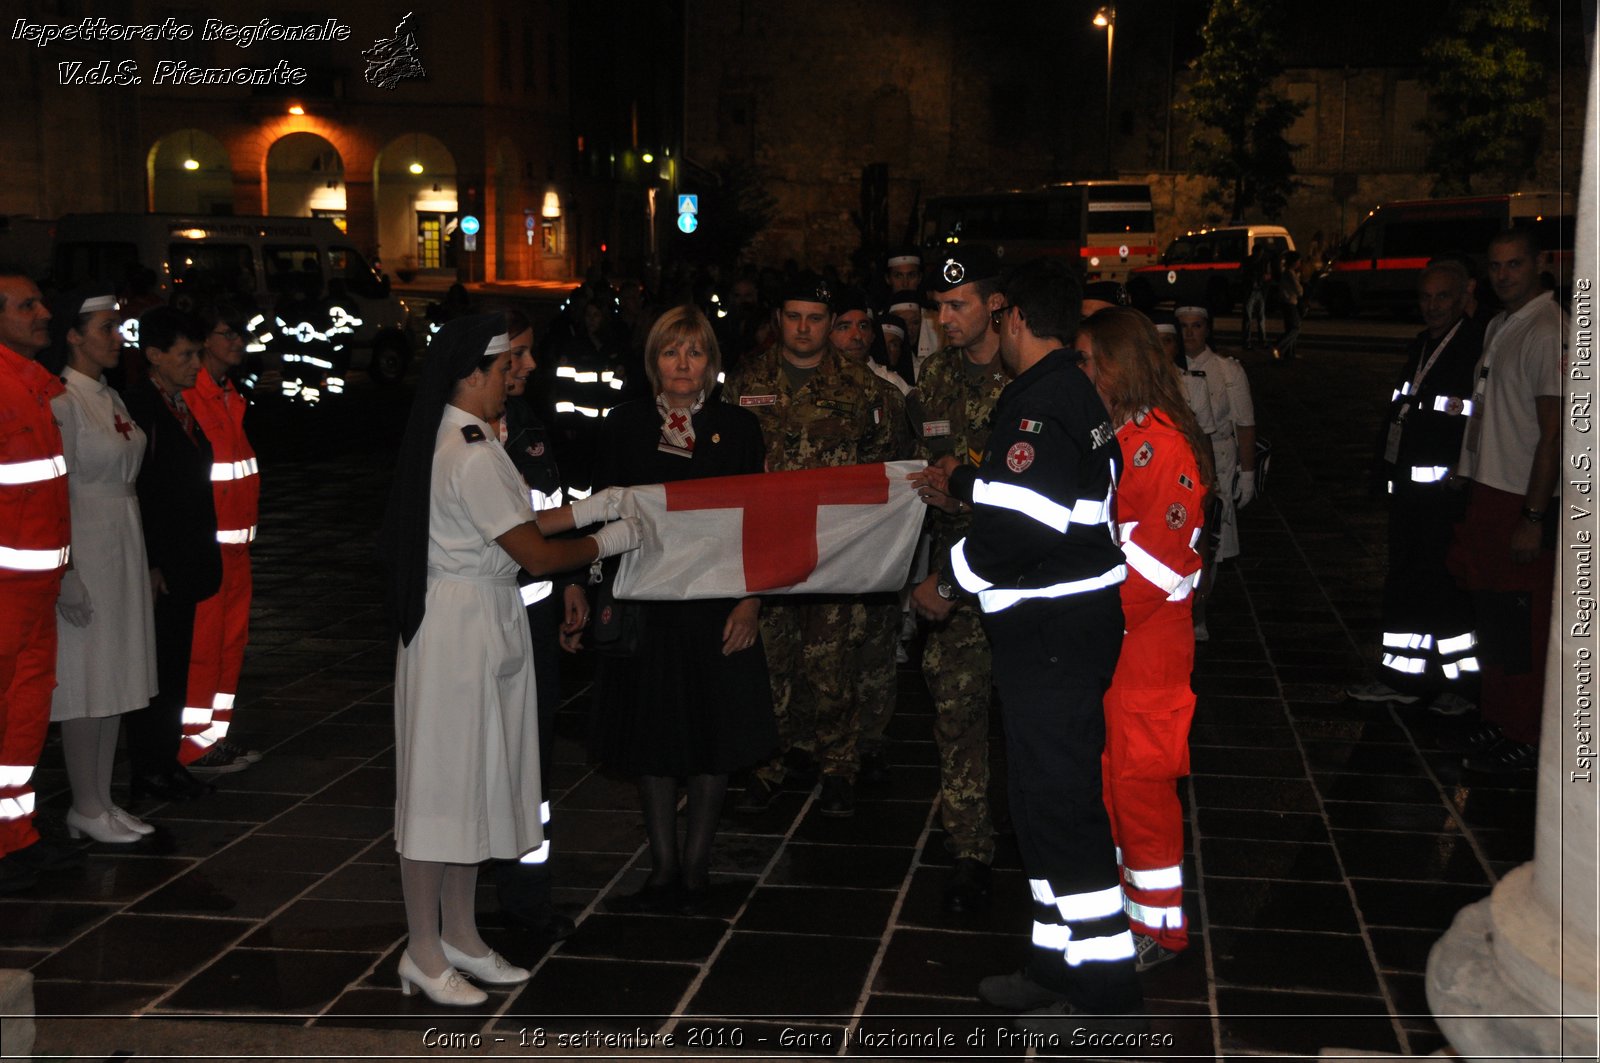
{"x":1159,"y":505}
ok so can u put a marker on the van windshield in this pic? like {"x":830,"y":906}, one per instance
{"x":207,"y":270}
{"x":80,"y":263}
{"x":1189,"y":249}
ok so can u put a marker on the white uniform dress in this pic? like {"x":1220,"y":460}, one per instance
{"x":109,"y":666}
{"x":1227,"y":405}
{"x":466,"y":726}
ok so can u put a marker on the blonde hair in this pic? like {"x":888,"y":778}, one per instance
{"x":1143,"y":377}
{"x":681,"y":324}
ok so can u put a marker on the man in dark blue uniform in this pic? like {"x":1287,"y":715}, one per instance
{"x":1042,"y":558}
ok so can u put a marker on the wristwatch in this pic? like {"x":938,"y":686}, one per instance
{"x":945,"y":589}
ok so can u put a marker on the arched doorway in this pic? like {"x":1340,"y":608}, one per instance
{"x":414,"y":190}
{"x":305,"y":178}
{"x":189,"y":172}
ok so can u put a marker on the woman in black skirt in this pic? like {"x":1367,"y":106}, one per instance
{"x":691,"y":702}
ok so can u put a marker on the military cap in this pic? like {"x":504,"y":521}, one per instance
{"x":1164,"y":321}
{"x":1106,"y":292}
{"x":848,"y":298}
{"x":963,"y":265}
{"x":904,"y":256}
{"x":807,"y":288}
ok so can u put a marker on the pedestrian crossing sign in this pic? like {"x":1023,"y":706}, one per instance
{"x":688,"y":204}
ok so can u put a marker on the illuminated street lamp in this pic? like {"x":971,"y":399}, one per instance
{"x":1106,"y":19}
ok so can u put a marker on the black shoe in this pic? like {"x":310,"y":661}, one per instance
{"x":548,"y":926}
{"x":43,"y":857}
{"x":1507,"y":757}
{"x":1483,"y":737}
{"x":1015,"y":992}
{"x":16,"y":875}
{"x":652,"y":900}
{"x":800,"y":764}
{"x":1062,"y":1019}
{"x":758,"y":795}
{"x":874,"y":769}
{"x":967,"y":889}
{"x":174,"y":784}
{"x":838,"y":797}
{"x":1150,"y":952}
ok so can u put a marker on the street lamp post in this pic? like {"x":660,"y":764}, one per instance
{"x":1106,"y":19}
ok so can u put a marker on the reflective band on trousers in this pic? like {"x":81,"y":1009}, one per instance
{"x":1429,"y":474}
{"x":34,"y":560}
{"x":541,"y":854}
{"x":1031,"y":503}
{"x":568,"y":407}
{"x":16,"y":473}
{"x":1155,"y":918}
{"x":1077,"y":907}
{"x":1408,"y":665}
{"x":16,"y":807}
{"x":1156,"y":878}
{"x":12,"y":775}
{"x":194,"y":715}
{"x":1408,"y":640}
{"x":1453,"y":669}
{"x":237,"y":537}
{"x":1458,"y":643}
{"x":234,"y":470}
{"x":1118,"y":946}
{"x":536,"y":592}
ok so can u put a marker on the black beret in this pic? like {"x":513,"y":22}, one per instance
{"x":1106,"y":292}
{"x":963,"y":265}
{"x":849,"y":298}
{"x":807,"y":288}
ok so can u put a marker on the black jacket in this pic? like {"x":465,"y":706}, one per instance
{"x":175,"y":501}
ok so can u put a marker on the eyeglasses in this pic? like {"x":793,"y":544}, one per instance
{"x":1000,"y":313}
{"x":226,"y":333}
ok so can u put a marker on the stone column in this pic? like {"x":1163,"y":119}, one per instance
{"x":1515,"y":975}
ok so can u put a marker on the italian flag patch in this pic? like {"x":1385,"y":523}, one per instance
{"x":1031,"y":426}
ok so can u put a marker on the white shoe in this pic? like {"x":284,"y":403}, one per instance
{"x":128,"y":821}
{"x":493,"y":969}
{"x":1378,"y":691}
{"x":102,"y":828}
{"x":448,"y":990}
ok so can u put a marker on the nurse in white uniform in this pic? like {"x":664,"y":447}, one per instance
{"x":458,"y":527}
{"x":106,"y":652}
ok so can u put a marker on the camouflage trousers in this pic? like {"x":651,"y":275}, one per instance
{"x":876,"y":686}
{"x":956,"y":664}
{"x":812,"y":656}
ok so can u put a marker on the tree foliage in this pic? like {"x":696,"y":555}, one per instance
{"x":1242,"y":146}
{"x":1487,"y":94}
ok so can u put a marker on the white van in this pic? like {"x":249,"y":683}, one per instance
{"x":258,"y":260}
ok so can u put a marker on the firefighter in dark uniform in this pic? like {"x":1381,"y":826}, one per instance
{"x":557,"y":609}
{"x":1429,"y":648}
{"x":960,"y":385}
{"x":817,"y":409}
{"x":1042,"y":559}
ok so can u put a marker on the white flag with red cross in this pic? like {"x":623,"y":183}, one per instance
{"x":848,"y":530}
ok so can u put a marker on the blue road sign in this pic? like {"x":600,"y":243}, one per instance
{"x":688,"y":222}
{"x":688,"y":205}
{"x":469,"y":225}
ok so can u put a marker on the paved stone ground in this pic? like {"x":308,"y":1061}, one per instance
{"x":1330,"y":843}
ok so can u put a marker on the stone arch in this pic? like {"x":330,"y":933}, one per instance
{"x":305,"y":177}
{"x":415,"y":195}
{"x":189,"y":171}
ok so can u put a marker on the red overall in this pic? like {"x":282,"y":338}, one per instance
{"x":1159,"y":508}
{"x":35,"y":533}
{"x":222,"y":621}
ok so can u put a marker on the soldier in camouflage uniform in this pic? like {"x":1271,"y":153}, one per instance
{"x":958,"y":386}
{"x":852,"y":335}
{"x":817,"y":410}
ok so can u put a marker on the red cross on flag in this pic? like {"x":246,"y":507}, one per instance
{"x":848,"y":530}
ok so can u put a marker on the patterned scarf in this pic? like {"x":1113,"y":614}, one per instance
{"x":178,"y":407}
{"x":677,"y":426}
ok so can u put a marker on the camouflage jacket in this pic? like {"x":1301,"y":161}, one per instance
{"x":956,"y":415}
{"x":839,"y":417}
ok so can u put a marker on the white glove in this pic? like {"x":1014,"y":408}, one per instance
{"x":598,"y":508}
{"x":1244,"y":492}
{"x":74,"y":605}
{"x":618,"y":537}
